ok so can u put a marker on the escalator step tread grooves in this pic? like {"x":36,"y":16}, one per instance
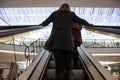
{"x":50,"y":75}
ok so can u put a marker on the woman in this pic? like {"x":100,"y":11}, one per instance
{"x":77,"y":42}
{"x":63,"y":45}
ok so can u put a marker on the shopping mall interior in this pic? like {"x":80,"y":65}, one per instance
{"x":22,"y":56}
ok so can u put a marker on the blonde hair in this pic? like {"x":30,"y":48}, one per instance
{"x":65,"y":7}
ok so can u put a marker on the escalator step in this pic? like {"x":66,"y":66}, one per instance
{"x":50,"y":75}
{"x":79,"y":74}
{"x":51,"y":64}
{"x":52,"y":57}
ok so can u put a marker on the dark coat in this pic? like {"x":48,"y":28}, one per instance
{"x":62,"y":24}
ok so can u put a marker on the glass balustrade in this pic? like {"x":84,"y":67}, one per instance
{"x":101,"y":43}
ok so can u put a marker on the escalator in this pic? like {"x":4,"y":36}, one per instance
{"x":43,"y":68}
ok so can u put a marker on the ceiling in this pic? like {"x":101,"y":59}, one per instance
{"x":57,"y":3}
{"x":29,"y":12}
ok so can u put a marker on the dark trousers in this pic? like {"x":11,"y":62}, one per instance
{"x":63,"y":60}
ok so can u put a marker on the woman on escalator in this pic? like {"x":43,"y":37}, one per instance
{"x":62,"y":40}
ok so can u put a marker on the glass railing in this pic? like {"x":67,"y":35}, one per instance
{"x":88,"y":43}
{"x":22,"y":54}
{"x":101,"y":43}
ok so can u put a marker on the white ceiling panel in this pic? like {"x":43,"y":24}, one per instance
{"x":31,"y":16}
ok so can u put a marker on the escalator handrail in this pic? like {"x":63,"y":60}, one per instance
{"x":41,"y":68}
{"x":27,"y":74}
{"x":97,"y":66}
{"x":16,"y":27}
{"x":105,"y":26}
{"x":9,"y":31}
{"x":113,"y":30}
